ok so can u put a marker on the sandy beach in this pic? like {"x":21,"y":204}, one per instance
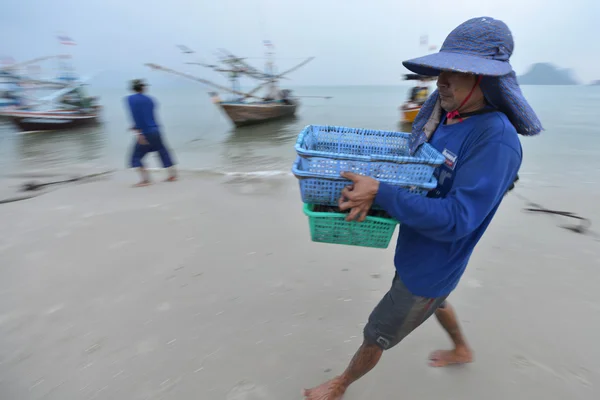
{"x":210,"y":288}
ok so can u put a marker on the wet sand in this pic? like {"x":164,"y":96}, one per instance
{"x":211,"y":289}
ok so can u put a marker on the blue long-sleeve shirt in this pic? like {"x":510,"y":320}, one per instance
{"x":142,"y":113}
{"x":439,"y":232}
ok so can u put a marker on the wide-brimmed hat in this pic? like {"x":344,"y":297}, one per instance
{"x":480,"y":46}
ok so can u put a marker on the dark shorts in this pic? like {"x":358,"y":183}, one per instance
{"x":398,"y":314}
{"x":155,"y":144}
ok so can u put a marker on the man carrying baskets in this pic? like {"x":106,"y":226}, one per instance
{"x":473,"y":119}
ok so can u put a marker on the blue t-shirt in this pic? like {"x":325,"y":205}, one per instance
{"x":142,"y":113}
{"x":439,"y":232}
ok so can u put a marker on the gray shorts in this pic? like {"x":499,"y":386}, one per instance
{"x":398,"y":314}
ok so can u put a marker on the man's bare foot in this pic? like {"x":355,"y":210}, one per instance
{"x":330,"y":390}
{"x":171,"y":179}
{"x":443,"y":358}
{"x":142,"y":184}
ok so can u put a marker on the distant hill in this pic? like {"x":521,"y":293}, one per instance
{"x":595,"y":83}
{"x":547,"y":74}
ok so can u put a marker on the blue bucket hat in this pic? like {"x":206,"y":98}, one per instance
{"x":480,"y":46}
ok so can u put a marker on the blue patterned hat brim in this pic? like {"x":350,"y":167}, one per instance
{"x":433,"y":64}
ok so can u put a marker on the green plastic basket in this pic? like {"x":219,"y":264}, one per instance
{"x":328,"y":227}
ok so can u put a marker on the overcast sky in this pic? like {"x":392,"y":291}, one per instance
{"x":361,"y":42}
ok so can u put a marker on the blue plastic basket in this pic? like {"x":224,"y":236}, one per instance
{"x":382,"y":155}
{"x":325,"y":189}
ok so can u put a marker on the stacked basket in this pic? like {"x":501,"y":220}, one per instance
{"x":324,"y":152}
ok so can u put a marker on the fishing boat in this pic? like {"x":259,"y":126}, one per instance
{"x":64,"y":109}
{"x":248,"y":108}
{"x":419,"y":92}
{"x":14,"y":84}
{"x":51,"y":120}
{"x":416,"y":97}
{"x":242,"y":114}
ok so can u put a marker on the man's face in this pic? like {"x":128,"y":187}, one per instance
{"x":453,"y":88}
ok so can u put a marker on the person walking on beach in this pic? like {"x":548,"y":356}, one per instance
{"x":147,"y":133}
{"x":473,"y":119}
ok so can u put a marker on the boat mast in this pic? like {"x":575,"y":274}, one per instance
{"x":235,"y":82}
{"x":65,"y":70}
{"x":233,"y":73}
{"x":270,"y":69}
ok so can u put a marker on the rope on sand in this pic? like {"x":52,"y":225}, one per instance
{"x":13,"y":199}
{"x":584,"y":224}
{"x":34,"y":186}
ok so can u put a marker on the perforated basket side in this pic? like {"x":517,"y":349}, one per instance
{"x":362,"y":144}
{"x":333,"y":228}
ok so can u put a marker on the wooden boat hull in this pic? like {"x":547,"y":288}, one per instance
{"x":242,"y":114}
{"x":49,"y":120}
{"x":409,"y":114}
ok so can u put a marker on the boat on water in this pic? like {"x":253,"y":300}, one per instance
{"x":416,"y":97}
{"x":248,"y":108}
{"x":15,"y":84}
{"x":64,"y":109}
{"x":243,"y":113}
{"x":51,"y":120}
